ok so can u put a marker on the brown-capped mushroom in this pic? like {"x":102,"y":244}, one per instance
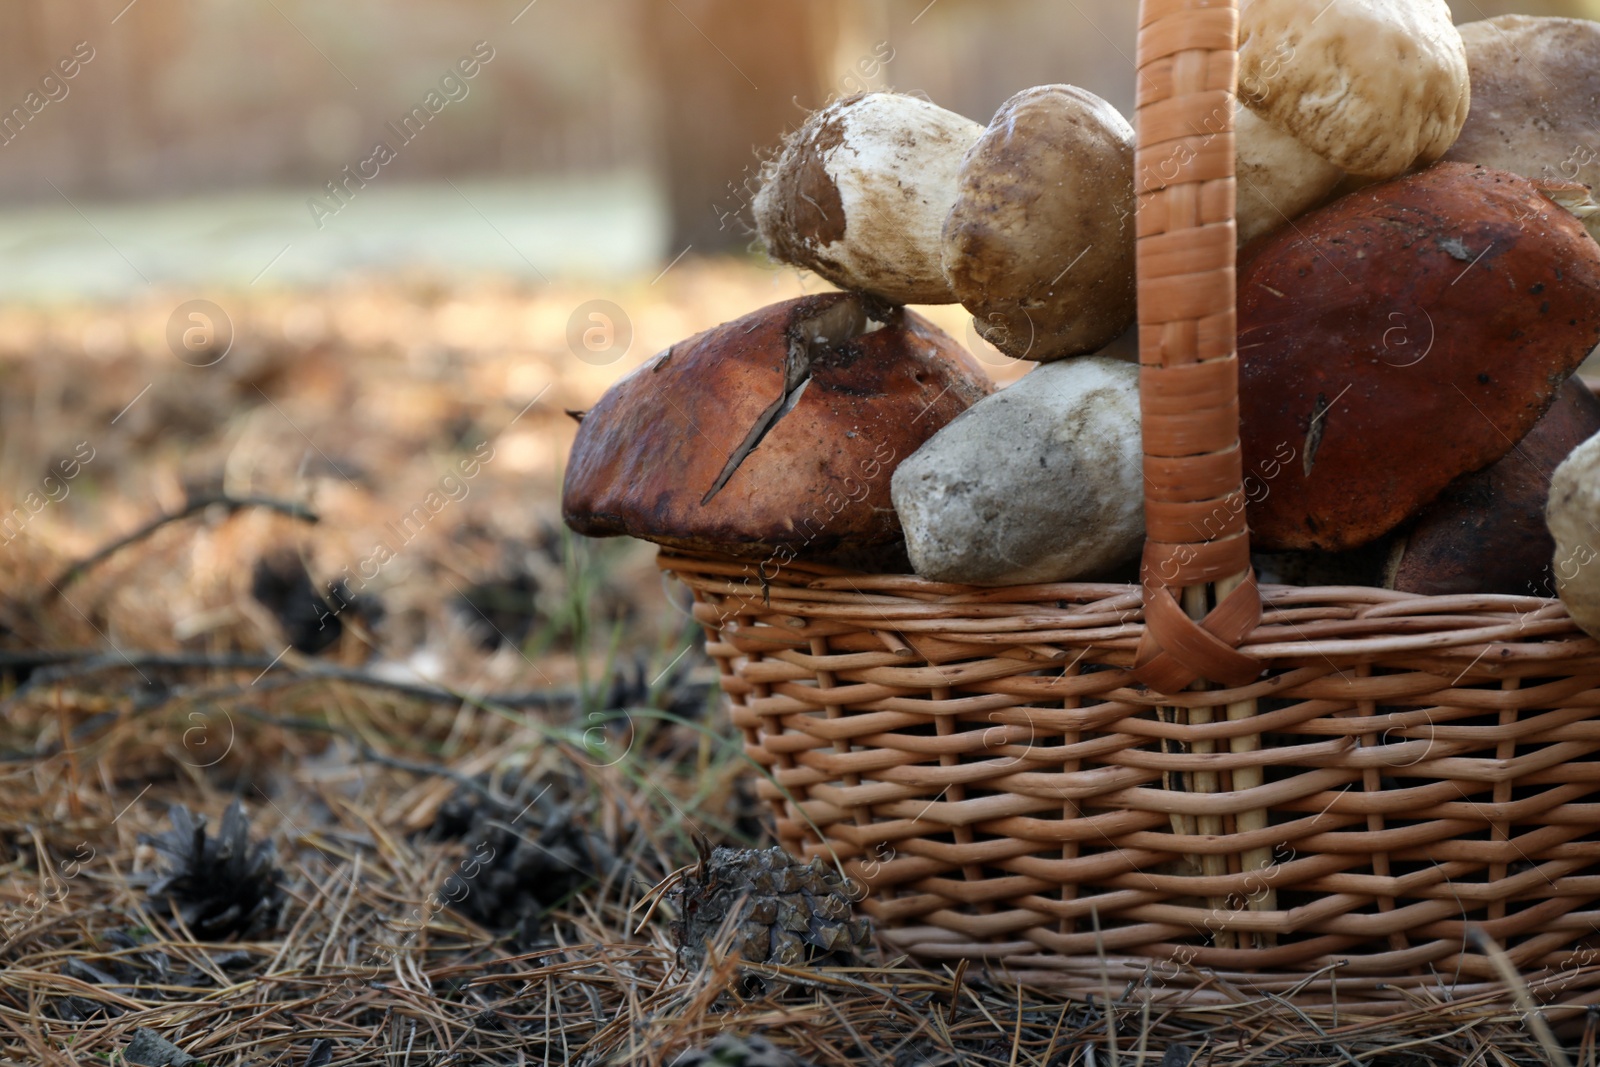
{"x":1535,"y":99}
{"x":1486,"y":532}
{"x":1369,"y":87}
{"x":861,"y":191}
{"x":1399,"y":338}
{"x":771,"y":436}
{"x":1039,"y":244}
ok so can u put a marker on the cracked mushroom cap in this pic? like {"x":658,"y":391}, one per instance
{"x":773,"y":435}
{"x":1374,"y":87}
{"x":860,"y":194}
{"x":1535,"y":98}
{"x":1039,"y":244}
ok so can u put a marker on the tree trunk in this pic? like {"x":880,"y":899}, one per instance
{"x":731,"y":77}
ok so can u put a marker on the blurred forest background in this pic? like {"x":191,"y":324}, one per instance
{"x":667,"y":100}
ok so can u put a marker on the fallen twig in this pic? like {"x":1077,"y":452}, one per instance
{"x":195,"y":505}
{"x":94,"y":662}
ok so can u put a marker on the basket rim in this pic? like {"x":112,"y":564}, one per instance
{"x":1494,"y":629}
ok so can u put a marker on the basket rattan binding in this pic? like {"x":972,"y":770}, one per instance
{"x":1052,"y":779}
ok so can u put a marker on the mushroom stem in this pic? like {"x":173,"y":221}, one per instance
{"x":1279,"y":178}
{"x":1573,"y":515}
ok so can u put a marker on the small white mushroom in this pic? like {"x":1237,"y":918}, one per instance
{"x":861,"y":191}
{"x":1573,"y":516}
{"x":1041,"y":482}
{"x":1369,"y":87}
{"x":1040,"y":243}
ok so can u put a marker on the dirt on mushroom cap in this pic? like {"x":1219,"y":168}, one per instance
{"x":861,"y":191}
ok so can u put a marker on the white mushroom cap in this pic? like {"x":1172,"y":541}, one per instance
{"x":1573,"y":515}
{"x":861,"y":192}
{"x":1040,"y":243}
{"x":1372,"y":87}
{"x":1278,"y":177}
{"x":1040,"y":482}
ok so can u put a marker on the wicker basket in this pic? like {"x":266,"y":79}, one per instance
{"x":1319,"y":792}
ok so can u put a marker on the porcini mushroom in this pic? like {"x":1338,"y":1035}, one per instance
{"x":1535,"y":97}
{"x":1039,"y":244}
{"x":772,"y":436}
{"x":1399,"y":338}
{"x":1372,"y":87}
{"x":1573,"y":516}
{"x":1486,"y":532}
{"x":860,"y":194}
{"x":1041,"y":482}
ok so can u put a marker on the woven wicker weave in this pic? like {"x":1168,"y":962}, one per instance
{"x":985,"y":762}
{"x":1178,"y":784}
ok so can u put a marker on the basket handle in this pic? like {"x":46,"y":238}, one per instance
{"x":1197,"y":543}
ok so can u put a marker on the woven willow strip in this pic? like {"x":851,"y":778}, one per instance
{"x":1197,"y":549}
{"x":985,"y":764}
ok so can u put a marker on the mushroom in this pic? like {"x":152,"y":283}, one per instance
{"x":1486,"y":533}
{"x":1535,"y":95}
{"x":1573,"y":516}
{"x":1372,"y":87}
{"x":1039,"y":245}
{"x":1359,"y":566}
{"x":860,"y":194}
{"x":1041,"y":482}
{"x":1399,"y":338}
{"x":771,"y":436}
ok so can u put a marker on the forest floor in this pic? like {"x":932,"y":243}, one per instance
{"x":484,"y":669}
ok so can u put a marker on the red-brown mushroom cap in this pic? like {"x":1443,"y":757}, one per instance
{"x":1486,"y":533}
{"x":775,"y":433}
{"x":1399,"y":338}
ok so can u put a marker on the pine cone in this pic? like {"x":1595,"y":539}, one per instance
{"x":516,"y":872}
{"x":468,"y":812}
{"x":310,"y":617}
{"x":676,"y":692}
{"x":729,"y":1050}
{"x":219,"y":886}
{"x":793,"y":914}
{"x":501,"y":611}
